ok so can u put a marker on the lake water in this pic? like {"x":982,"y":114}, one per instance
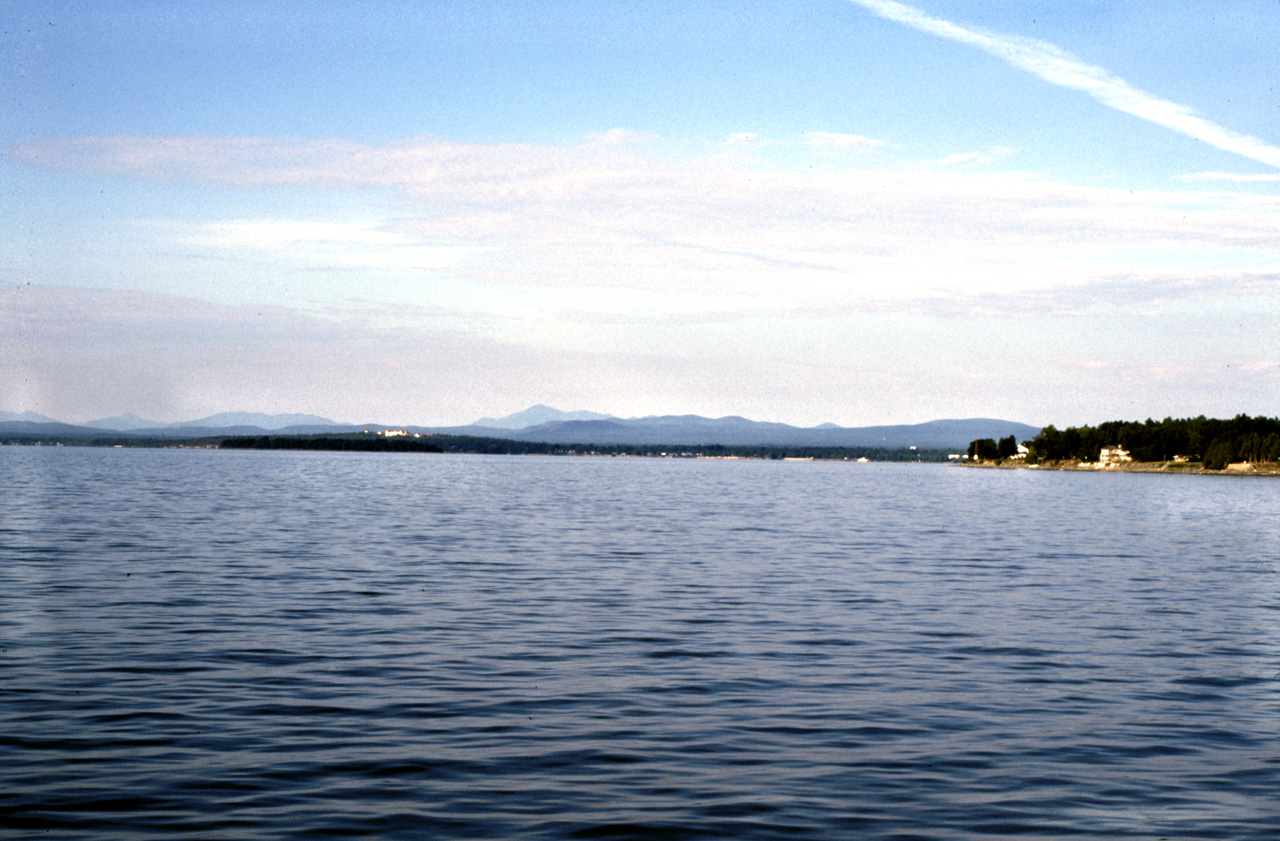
{"x":244,"y":645}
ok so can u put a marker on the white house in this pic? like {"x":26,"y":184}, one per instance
{"x":1113,"y":455}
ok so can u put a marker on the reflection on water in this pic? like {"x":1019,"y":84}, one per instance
{"x":267,"y":644}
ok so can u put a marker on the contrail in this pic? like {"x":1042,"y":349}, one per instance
{"x":1059,"y":67}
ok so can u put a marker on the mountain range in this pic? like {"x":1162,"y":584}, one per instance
{"x":127,"y":422}
{"x":545,"y":424}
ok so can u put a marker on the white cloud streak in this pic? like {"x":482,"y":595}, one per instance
{"x":1059,"y":67}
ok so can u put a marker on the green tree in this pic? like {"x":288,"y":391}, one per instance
{"x":1219,"y":454}
{"x":1271,"y":447}
{"x":983,"y":449}
{"x":1048,"y":444}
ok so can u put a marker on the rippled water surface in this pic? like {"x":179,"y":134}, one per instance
{"x":269,"y":644}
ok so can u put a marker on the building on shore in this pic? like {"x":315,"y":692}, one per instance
{"x":1113,"y":455}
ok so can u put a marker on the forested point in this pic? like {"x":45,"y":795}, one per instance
{"x":1213,"y":442}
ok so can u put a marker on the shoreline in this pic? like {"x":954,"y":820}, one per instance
{"x":1164,"y":467}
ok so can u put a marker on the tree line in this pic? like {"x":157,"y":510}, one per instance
{"x":989,"y":449}
{"x":1214,"y":442}
{"x":503,"y":446}
{"x":326,"y":442}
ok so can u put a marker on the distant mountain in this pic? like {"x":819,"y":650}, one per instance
{"x":132,"y":426}
{"x":188,"y":431}
{"x":952,"y":434}
{"x":269,"y":422}
{"x":46,"y":428}
{"x":214,"y":424}
{"x":124,"y":423}
{"x":176,"y":432}
{"x":25,"y":417}
{"x":536,"y":416}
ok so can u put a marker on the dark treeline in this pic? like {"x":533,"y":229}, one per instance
{"x":105,"y":440}
{"x":503,"y":446}
{"x":1215,"y":442}
{"x":363,"y":443}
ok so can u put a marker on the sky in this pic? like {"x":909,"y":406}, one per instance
{"x":848,"y":211}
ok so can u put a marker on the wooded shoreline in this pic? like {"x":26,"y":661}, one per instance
{"x":1166,"y":467}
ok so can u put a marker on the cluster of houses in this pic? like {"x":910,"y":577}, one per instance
{"x":1020,"y":455}
{"x":394,"y":433}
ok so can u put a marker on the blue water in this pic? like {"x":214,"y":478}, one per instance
{"x":244,"y":645}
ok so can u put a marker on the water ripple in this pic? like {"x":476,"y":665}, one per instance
{"x":267,"y":645}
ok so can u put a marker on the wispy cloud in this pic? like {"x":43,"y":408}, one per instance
{"x":1137,"y":296}
{"x":844,"y":141}
{"x":777,"y":236}
{"x":984,"y":156}
{"x":327,"y":245}
{"x":1233,"y":177}
{"x":1059,"y":67}
{"x":618,"y":136}
{"x":811,"y":139}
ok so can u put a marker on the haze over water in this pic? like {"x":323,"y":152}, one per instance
{"x":279,"y":644}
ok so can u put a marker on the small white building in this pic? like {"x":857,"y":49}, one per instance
{"x":1113,"y":455}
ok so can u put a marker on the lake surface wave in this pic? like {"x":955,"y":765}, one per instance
{"x":281,"y":644}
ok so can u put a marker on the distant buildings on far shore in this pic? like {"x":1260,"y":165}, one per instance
{"x":392,"y":433}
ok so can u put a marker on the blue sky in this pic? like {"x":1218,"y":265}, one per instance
{"x":854,"y":211}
